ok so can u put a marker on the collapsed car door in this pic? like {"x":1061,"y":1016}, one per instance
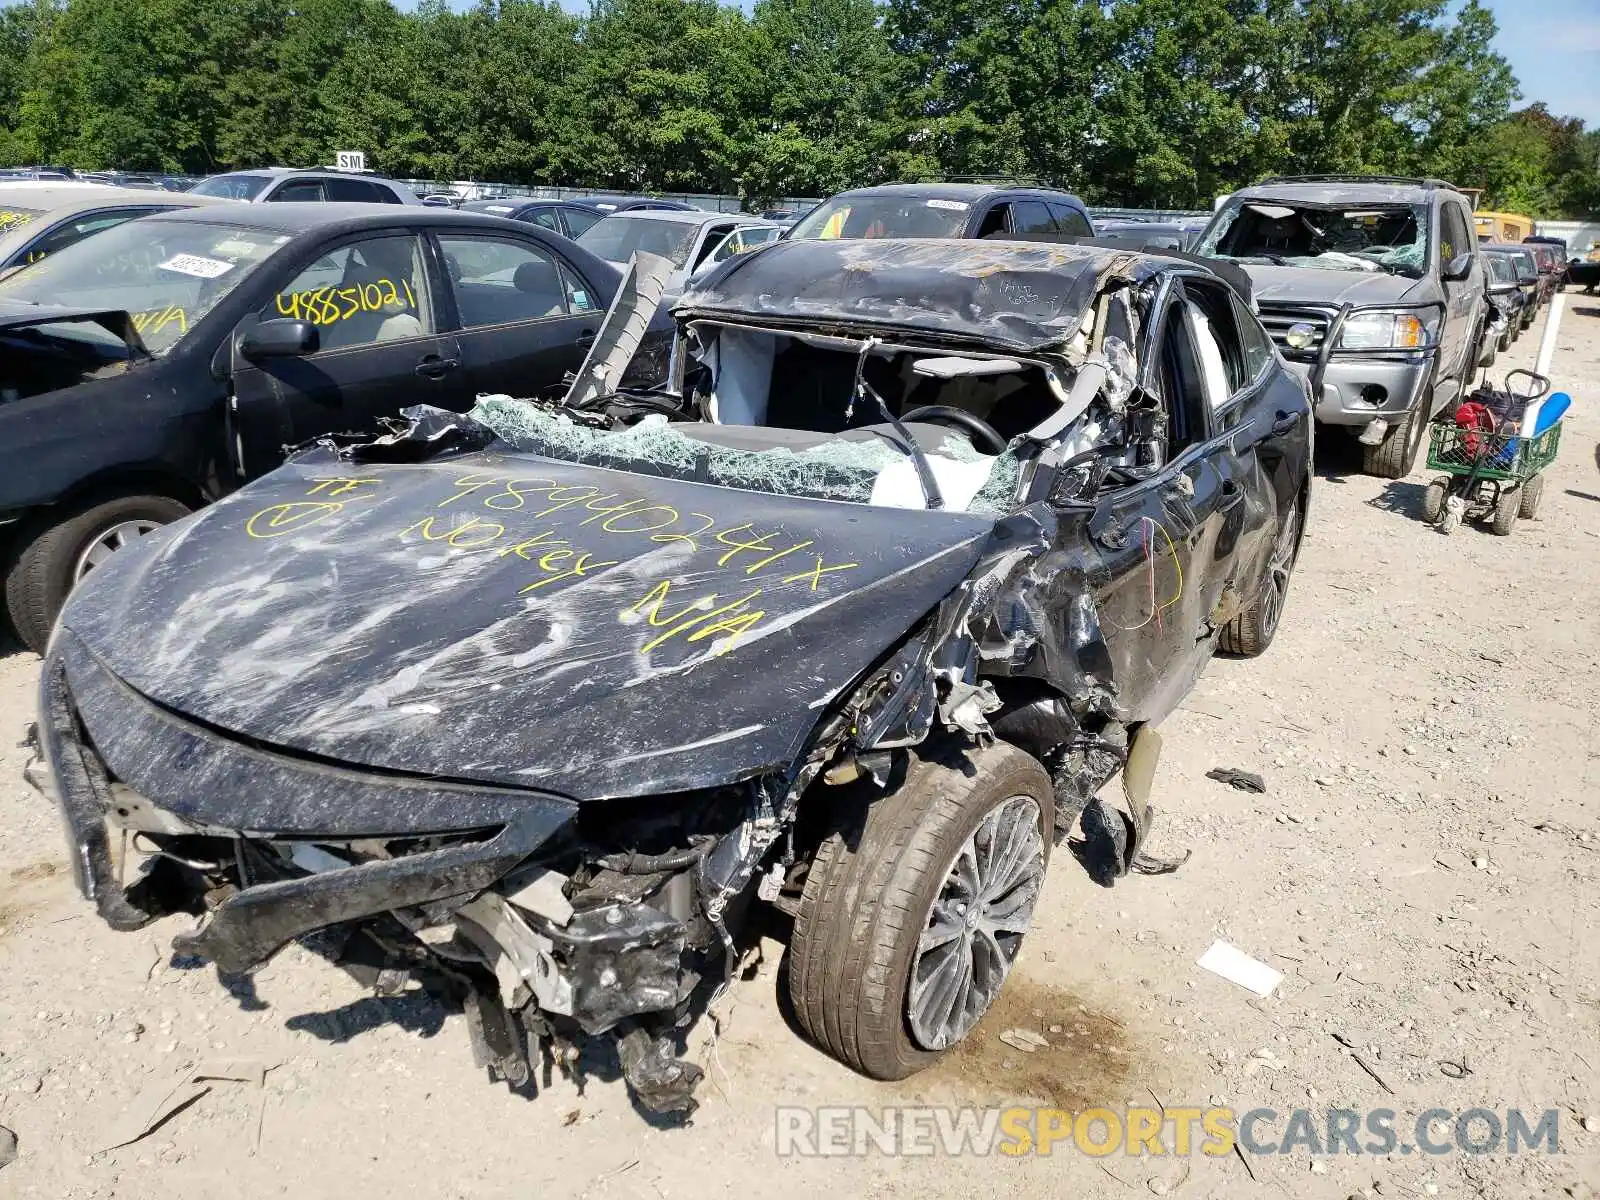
{"x":378,"y":351}
{"x":524,"y":318}
{"x":1166,"y":543}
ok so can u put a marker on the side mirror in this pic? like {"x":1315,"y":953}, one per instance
{"x":280,"y":339}
{"x":1458,"y":268}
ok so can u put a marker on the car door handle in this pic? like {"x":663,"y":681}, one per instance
{"x":1232,"y":493}
{"x":1286,"y":421}
{"x":585,"y":339}
{"x":433,"y":366}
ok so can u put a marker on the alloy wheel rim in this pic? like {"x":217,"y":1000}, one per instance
{"x":974,"y":928}
{"x":1279,"y":569}
{"x":108,"y":542}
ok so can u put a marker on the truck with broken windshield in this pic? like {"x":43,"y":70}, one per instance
{"x":1372,"y":288}
{"x":542,"y":705}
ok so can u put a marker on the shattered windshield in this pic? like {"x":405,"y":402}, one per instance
{"x":884,"y":217}
{"x":1364,"y":237}
{"x":167,"y":275}
{"x":799,"y":414}
{"x":864,"y":470}
{"x":618,"y":238}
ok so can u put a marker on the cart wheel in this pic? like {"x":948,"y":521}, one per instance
{"x":1532,"y":492}
{"x":1505,"y":510}
{"x":1433,"y":500}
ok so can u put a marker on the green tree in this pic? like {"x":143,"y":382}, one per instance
{"x":523,"y":96}
{"x":1170,"y":126}
{"x":1140,"y":102}
{"x":1000,"y":89}
{"x":24,"y":37}
{"x":809,"y":89}
{"x":644,"y":90}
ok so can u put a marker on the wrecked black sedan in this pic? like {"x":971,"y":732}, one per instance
{"x":539,"y":705}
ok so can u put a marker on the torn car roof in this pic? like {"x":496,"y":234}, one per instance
{"x":1027,"y":297}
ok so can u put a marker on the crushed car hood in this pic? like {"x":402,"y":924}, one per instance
{"x":515,"y":620}
{"x":1320,"y":285}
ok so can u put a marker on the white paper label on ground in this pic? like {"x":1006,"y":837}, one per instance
{"x":196,"y":265}
{"x":1234,"y":965}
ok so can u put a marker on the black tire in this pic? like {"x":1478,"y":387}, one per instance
{"x":46,"y":565}
{"x":870,"y":893}
{"x":1531,"y":493}
{"x":1433,"y":498}
{"x":1252,"y":631}
{"x":1505,"y":511}
{"x":1394,"y":457}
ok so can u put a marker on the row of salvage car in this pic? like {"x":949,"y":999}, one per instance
{"x":836,"y":594}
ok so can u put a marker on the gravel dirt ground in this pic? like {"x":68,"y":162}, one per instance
{"x":1422,"y":868}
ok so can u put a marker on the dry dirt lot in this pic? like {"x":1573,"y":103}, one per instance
{"x":1423,"y":868}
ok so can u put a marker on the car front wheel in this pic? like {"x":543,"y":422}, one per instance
{"x":916,"y":905}
{"x":1394,"y":457}
{"x":1252,"y":631}
{"x":54,"y":555}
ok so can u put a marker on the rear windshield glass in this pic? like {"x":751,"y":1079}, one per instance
{"x":167,"y":275}
{"x":617,"y":238}
{"x":232,"y":187}
{"x":884,"y":217}
{"x":1357,"y":237}
{"x":1522,"y":264}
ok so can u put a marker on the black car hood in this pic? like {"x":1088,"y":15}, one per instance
{"x":514,"y":620}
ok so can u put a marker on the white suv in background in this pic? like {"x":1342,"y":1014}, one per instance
{"x":292,"y":184}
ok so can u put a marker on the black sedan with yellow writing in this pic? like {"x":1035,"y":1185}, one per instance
{"x":537,"y":704}
{"x":158,"y":365}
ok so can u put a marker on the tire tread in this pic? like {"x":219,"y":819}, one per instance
{"x":862,"y":907}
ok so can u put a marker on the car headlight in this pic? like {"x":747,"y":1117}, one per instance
{"x":1383,"y":331}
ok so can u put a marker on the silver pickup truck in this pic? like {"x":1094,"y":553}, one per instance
{"x":1373,"y":290}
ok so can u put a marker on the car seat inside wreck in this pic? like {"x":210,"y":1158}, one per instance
{"x":916,"y":555}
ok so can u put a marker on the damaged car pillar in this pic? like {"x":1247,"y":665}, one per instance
{"x":853,"y":622}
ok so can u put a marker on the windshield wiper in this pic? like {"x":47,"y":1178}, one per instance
{"x":930,"y":487}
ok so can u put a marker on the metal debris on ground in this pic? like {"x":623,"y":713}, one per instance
{"x":1245,"y":781}
{"x":1234,"y":965}
{"x":164,"y":1098}
{"x":1362,"y":1063}
{"x":1025,"y":1040}
{"x":1248,"y":1169}
{"x":8,"y":1147}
